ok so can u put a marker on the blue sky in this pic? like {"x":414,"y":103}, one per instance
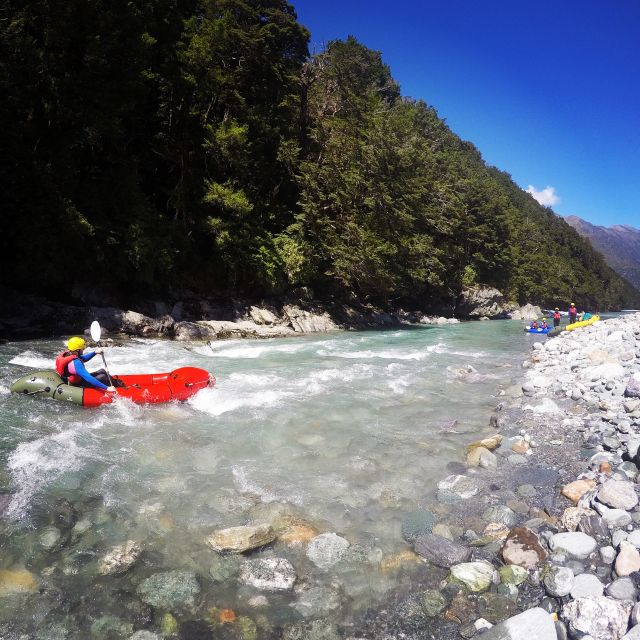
{"x":547,"y":91}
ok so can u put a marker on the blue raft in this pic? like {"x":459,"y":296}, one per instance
{"x":529,"y":330}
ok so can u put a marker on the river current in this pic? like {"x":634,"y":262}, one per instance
{"x":350,"y":431}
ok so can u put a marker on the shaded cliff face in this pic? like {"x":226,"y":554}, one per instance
{"x":620,"y":246}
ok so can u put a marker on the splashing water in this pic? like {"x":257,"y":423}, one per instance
{"x":344,"y":429}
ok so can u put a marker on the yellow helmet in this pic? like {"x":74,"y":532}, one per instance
{"x":75,"y":344}
{"x":573,"y":304}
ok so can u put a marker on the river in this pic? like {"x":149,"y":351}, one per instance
{"x":348,"y":431}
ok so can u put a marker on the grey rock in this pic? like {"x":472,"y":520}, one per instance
{"x":144,"y":635}
{"x":561,"y":630}
{"x":120,"y":559}
{"x":618,"y":536}
{"x":433,"y":602}
{"x":600,"y":617}
{"x":594,"y":526}
{"x":607,"y":554}
{"x":416,"y":523}
{"x":500,"y":513}
{"x":615,"y":518}
{"x":476,"y":576}
{"x":526,"y":491}
{"x":170,"y":589}
{"x":327,"y":549}
{"x":622,"y":589}
{"x":268,"y":574}
{"x":440,"y":551}
{"x":618,"y":494}
{"x":585,"y":585}
{"x":634,"y":538}
{"x":575,"y":544}
{"x":633,"y":387}
{"x":456,"y":487}
{"x":558,"y":581}
{"x":632,"y":634}
{"x":534,"y":623}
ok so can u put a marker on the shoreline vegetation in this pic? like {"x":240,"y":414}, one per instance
{"x":199,"y":145}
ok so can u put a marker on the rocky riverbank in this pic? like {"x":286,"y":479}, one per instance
{"x":201,"y":318}
{"x":538,"y":532}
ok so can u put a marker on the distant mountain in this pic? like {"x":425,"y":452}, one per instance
{"x":620,"y":246}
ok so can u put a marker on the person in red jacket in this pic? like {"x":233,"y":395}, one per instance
{"x":70,"y":367}
{"x":556,"y":317}
{"x":573,"y":313}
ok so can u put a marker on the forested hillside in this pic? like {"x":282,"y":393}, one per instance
{"x":196,"y":145}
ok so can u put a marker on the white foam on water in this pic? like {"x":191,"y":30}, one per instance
{"x":253,"y":390}
{"x":244,"y":484}
{"x":34,"y":360}
{"x":249,"y":351}
{"x":389,"y":354}
{"x":399,"y":385}
{"x":4,"y":390}
{"x":36,"y":464}
{"x":216,"y":401}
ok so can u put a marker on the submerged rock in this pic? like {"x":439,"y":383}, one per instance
{"x":327,"y":549}
{"x":457,"y":487}
{"x":269,"y":574}
{"x":440,"y":551}
{"x":170,"y":589}
{"x":476,"y":576}
{"x":416,"y":523}
{"x":241,"y":539}
{"x":13,"y":581}
{"x":120,"y":559}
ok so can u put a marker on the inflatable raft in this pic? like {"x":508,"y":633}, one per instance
{"x":584,"y":323}
{"x":539,"y":330}
{"x":151,"y":388}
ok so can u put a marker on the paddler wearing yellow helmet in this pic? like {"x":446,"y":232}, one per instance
{"x":70,"y":366}
{"x":573,"y":313}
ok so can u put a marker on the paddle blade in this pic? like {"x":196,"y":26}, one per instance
{"x":96,"y":331}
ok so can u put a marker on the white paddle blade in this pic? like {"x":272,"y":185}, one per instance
{"x":96,"y":331}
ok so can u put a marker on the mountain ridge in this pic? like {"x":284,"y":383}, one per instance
{"x":619,"y":245}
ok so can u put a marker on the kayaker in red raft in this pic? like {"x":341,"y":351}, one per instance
{"x":70,"y":367}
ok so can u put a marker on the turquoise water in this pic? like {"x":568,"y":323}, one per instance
{"x":348,"y":432}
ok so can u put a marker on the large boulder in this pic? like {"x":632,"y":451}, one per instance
{"x":481,"y":301}
{"x":308,"y":322}
{"x":526,"y":312}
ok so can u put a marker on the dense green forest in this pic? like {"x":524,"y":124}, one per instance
{"x":196,"y":144}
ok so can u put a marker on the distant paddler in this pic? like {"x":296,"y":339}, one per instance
{"x":573,"y":313}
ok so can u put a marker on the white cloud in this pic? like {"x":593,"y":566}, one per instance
{"x":547,"y":197}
